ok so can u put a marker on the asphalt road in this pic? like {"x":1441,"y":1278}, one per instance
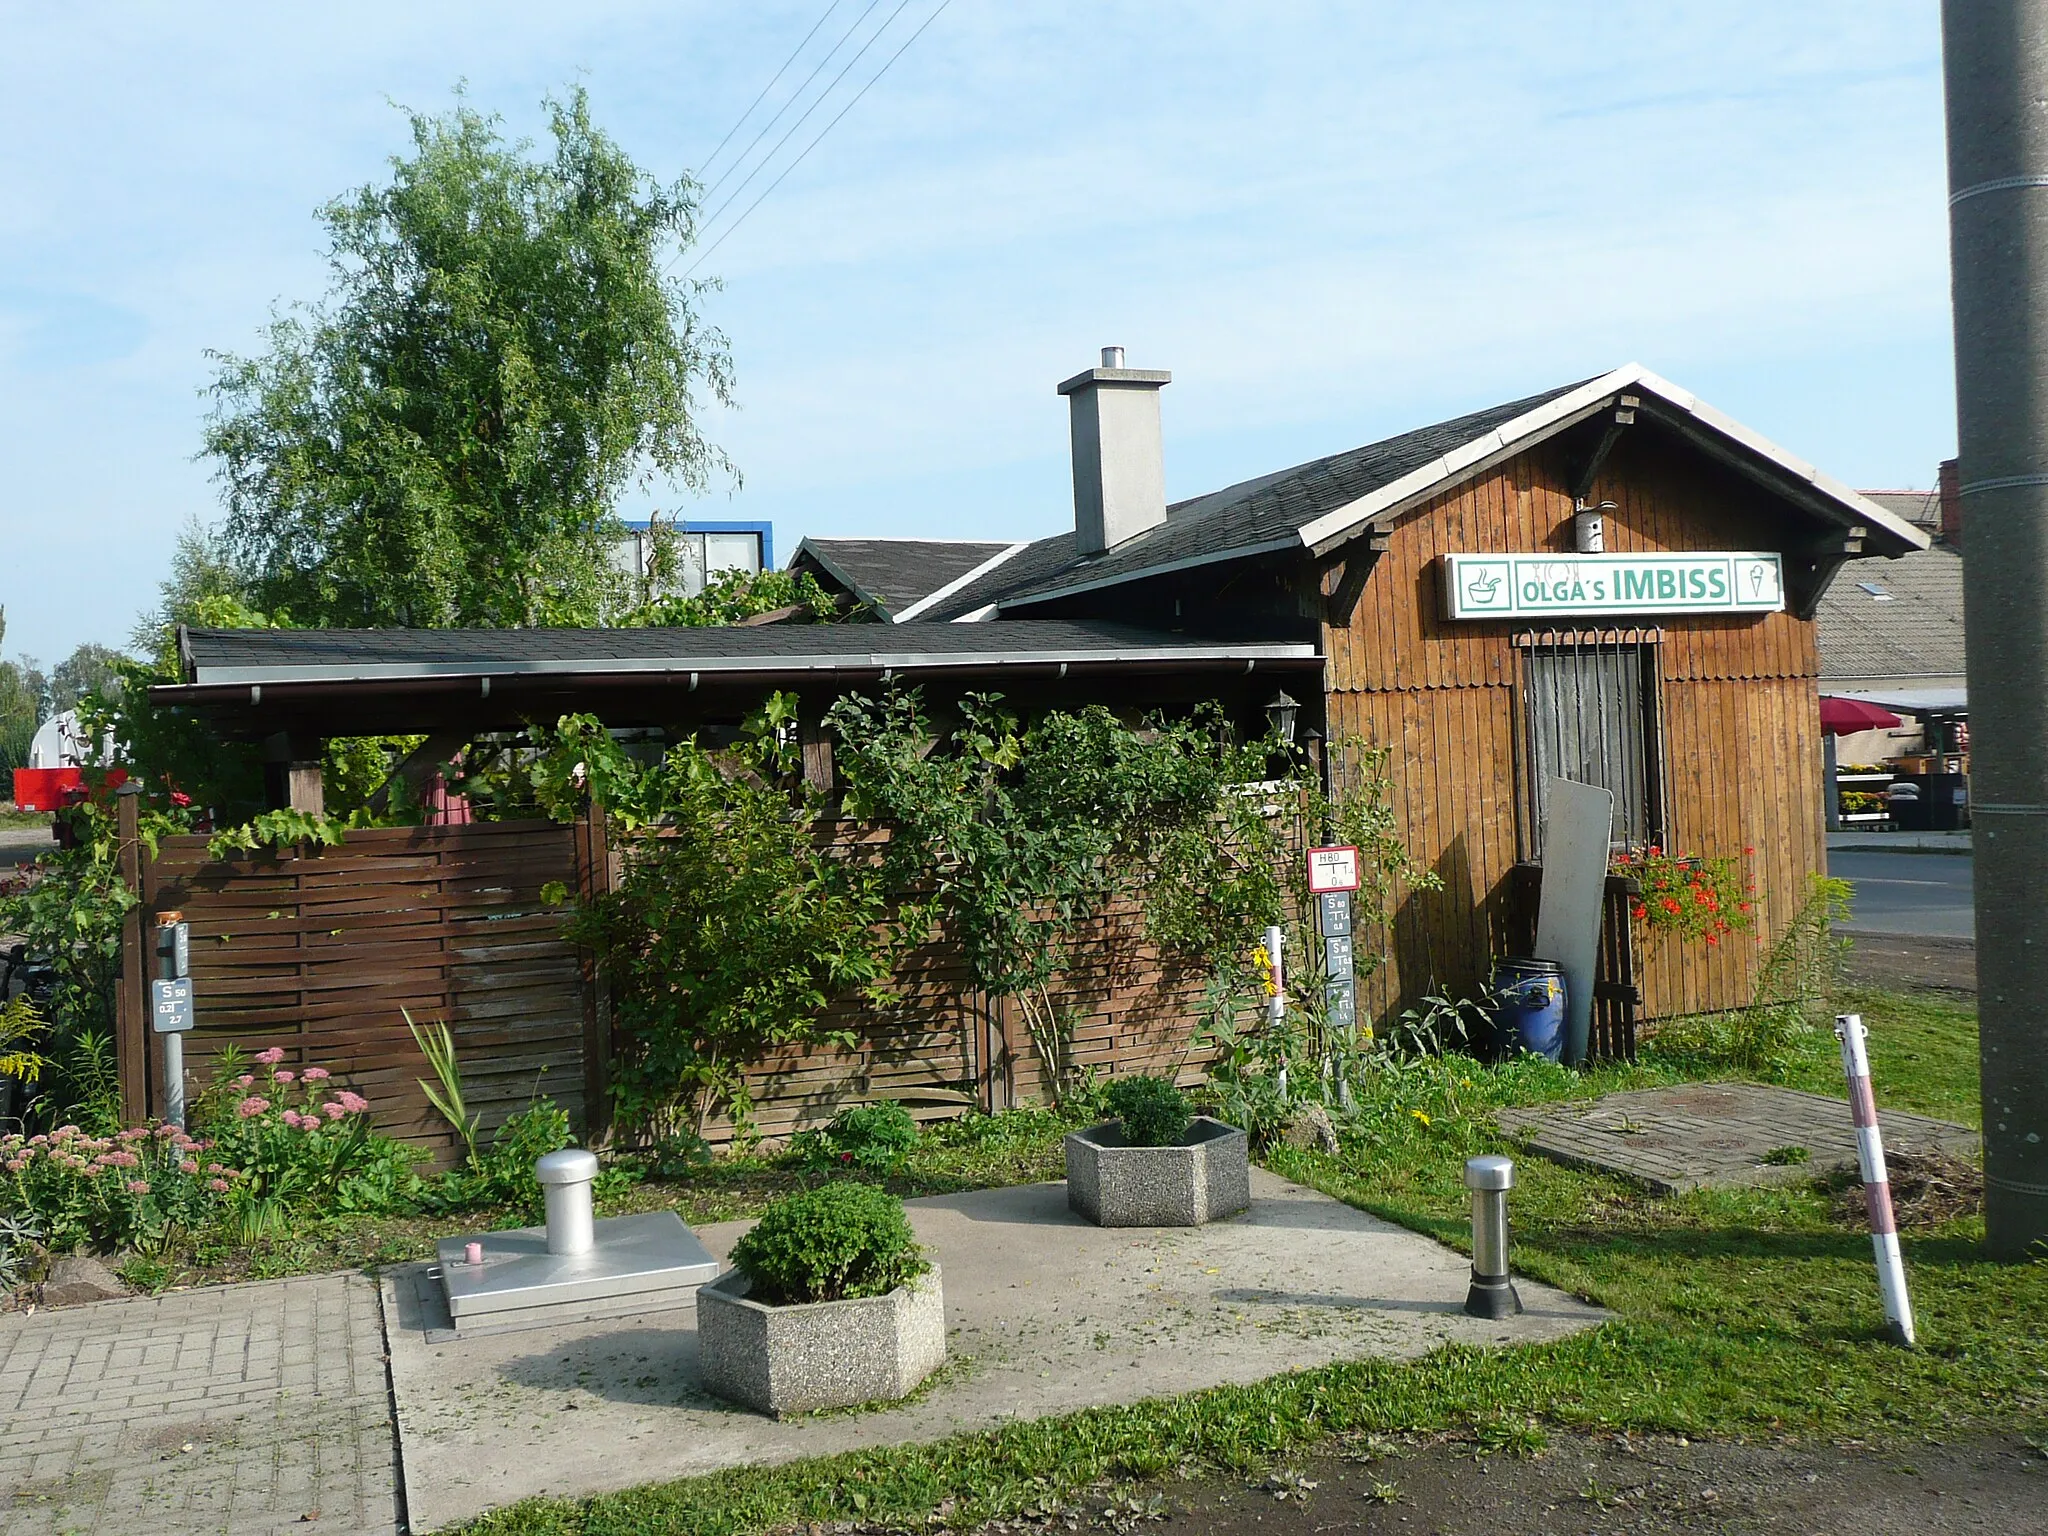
{"x":1926,"y":895}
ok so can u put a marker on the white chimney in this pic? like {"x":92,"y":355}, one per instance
{"x":1119,"y":463}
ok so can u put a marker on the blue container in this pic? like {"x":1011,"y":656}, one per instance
{"x":1531,"y":1011}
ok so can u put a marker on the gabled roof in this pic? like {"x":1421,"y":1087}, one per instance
{"x":898,"y":577}
{"x":1899,"y":619}
{"x":1321,"y":505}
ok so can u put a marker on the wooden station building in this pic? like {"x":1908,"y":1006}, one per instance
{"x":1608,"y":581}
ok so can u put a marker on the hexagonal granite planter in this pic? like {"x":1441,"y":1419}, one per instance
{"x":821,"y":1354}
{"x":1115,"y":1184}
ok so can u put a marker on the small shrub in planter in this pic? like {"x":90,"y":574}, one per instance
{"x":1155,"y":1165}
{"x":1151,"y":1110}
{"x":876,"y":1138}
{"x":835,"y":1243}
{"x":830,"y":1302}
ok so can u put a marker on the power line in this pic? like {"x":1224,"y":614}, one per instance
{"x":712,"y":158}
{"x":797,"y":95}
{"x":799,"y":160}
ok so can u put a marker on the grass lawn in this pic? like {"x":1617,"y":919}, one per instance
{"x":1748,"y":1313}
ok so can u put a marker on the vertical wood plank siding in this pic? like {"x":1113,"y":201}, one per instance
{"x":1740,"y":714}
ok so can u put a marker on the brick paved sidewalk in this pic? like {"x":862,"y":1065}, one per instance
{"x":235,"y":1409}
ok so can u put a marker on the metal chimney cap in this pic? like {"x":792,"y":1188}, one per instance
{"x":1112,"y":357}
{"x":571,"y":1165}
{"x":1492,"y":1172}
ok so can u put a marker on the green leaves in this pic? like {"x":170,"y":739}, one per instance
{"x":437,"y":1043}
{"x":833,"y":1243}
{"x":443,"y":439}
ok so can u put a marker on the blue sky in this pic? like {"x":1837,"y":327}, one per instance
{"x":1332,"y":222}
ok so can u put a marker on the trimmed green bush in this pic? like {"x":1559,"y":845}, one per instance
{"x":833,"y":1243}
{"x":1154,"y":1112}
{"x":874,"y":1137}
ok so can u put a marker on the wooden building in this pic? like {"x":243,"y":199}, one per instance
{"x":1609,"y":582}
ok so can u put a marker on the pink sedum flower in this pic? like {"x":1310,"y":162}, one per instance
{"x":332,"y":1110}
{"x":251,"y":1107}
{"x":245,"y":1081}
{"x":271,"y":1057}
{"x":218,"y":1186}
{"x":138,"y":1186}
{"x":316,"y":1074}
{"x":188,"y":1166}
{"x":351,"y":1103}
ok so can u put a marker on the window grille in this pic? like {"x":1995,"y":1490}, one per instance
{"x":1590,"y":714}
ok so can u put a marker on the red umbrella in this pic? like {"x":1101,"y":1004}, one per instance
{"x":1845,"y":717}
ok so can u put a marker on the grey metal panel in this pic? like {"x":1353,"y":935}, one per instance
{"x":635,"y":1255}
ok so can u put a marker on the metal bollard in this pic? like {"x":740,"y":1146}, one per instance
{"x":565,"y":1179}
{"x":1493,"y":1293}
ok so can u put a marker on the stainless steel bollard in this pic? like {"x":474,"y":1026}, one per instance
{"x":1493,"y":1293}
{"x":565,"y":1179}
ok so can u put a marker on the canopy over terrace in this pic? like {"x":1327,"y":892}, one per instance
{"x":311,"y":683}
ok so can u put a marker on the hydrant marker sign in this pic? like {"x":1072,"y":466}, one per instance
{"x":1546,"y":585}
{"x":1332,"y":869}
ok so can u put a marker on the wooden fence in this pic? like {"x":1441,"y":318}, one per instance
{"x":324,"y":952}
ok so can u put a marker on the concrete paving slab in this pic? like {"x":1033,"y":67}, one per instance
{"x":1047,"y":1314}
{"x":1702,"y":1135}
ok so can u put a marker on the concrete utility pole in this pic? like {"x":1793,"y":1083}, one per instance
{"x":1996,"y":65}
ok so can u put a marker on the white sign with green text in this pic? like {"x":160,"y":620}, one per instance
{"x":1544,"y":586}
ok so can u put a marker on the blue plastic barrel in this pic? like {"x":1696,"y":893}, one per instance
{"x":1530,"y":1009}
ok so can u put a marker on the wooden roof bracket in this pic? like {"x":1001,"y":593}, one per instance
{"x":1623,"y":418}
{"x":1811,"y":571}
{"x":1360,"y":556}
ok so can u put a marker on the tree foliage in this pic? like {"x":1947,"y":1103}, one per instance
{"x":443,"y":440}
{"x":732,"y":927}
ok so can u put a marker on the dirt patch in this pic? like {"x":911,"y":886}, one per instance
{"x":1607,"y":1483}
{"x":1892,"y":961}
{"x":1929,"y":1189}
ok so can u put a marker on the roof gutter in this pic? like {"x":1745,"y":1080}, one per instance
{"x":254,"y":694}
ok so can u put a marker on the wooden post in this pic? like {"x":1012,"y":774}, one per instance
{"x":131,"y":994}
{"x":594,"y":878}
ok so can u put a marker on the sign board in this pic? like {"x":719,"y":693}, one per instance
{"x":170,"y":1006}
{"x":1337,"y":957}
{"x":1558,"y":586}
{"x":174,"y":940}
{"x":1340,"y":1000}
{"x":1332,"y":869}
{"x":1333,"y":914}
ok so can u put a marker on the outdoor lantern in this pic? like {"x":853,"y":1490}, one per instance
{"x":1283,"y":712}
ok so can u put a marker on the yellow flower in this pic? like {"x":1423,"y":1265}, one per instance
{"x":1418,"y":1114}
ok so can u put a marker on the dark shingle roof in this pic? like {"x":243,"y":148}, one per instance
{"x":1266,"y":512}
{"x":239,"y":656}
{"x":895,"y":573}
{"x":1920,"y":508}
{"x":1912,"y":626}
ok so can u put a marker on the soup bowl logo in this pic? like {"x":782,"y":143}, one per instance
{"x":1483,"y":588}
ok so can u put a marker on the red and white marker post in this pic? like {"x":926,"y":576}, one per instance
{"x":1877,"y":1189}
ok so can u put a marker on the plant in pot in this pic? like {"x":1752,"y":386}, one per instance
{"x":1156,"y":1164}
{"x":830,"y":1302}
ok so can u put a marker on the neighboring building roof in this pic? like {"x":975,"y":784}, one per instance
{"x":237,"y":659}
{"x":1321,"y":505}
{"x":1894,"y":619}
{"x":897,"y":578}
{"x":1920,"y":508}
